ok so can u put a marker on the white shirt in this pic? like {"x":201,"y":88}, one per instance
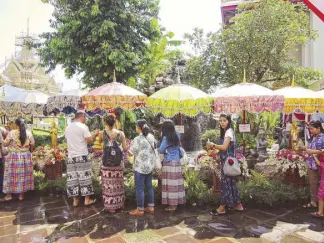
{"x":230,"y":133}
{"x":76,"y":134}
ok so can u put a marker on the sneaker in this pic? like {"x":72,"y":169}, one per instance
{"x":149,"y":210}
{"x":136,"y":212}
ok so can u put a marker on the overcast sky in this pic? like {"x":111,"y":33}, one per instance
{"x":178,"y":16}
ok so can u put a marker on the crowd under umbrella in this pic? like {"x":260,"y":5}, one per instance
{"x":179,"y":99}
{"x":67,"y":102}
{"x":109,"y":97}
{"x":298,"y":99}
{"x":246,"y":97}
{"x":23,"y":102}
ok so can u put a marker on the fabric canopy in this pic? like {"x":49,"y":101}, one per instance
{"x":246,"y":97}
{"x":298,"y":98}
{"x":179,"y":99}
{"x":113,"y":95}
{"x":26,"y":102}
{"x":67,"y":102}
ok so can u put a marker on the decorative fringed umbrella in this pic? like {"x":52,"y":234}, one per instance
{"x":179,"y":99}
{"x":66,"y":102}
{"x":111,"y":96}
{"x":247,"y":97}
{"x":301,"y":99}
{"x":23,"y":102}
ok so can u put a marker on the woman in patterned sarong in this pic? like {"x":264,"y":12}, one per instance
{"x":173,"y":191}
{"x":18,"y":170}
{"x":112,"y":177}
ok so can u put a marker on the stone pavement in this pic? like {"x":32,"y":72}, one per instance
{"x":52,"y":219}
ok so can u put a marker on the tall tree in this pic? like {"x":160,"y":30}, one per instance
{"x":94,"y":37}
{"x":261,"y":40}
{"x":158,"y":59}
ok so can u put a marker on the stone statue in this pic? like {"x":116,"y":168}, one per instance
{"x":54,"y":132}
{"x":262,"y":145}
{"x":285,"y":139}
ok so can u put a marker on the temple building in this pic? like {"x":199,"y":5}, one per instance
{"x":23,"y":69}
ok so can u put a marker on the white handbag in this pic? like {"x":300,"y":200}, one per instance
{"x":157,"y":159}
{"x":184,"y":160}
{"x":232,"y":166}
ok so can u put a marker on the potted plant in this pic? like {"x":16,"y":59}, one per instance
{"x":293,"y":165}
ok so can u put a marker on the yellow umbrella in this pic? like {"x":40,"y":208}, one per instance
{"x":179,"y":99}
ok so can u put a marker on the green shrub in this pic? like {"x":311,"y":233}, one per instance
{"x":212,"y":135}
{"x":196,"y":190}
{"x":43,"y":137}
{"x":263,"y":191}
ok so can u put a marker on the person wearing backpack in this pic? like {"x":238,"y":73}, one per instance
{"x":143,"y":149}
{"x":112,"y":169}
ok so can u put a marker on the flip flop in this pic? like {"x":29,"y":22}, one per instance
{"x":309,"y":205}
{"x":168,"y":209}
{"x":316,"y":215}
{"x":216,"y":213}
{"x":90,"y":204}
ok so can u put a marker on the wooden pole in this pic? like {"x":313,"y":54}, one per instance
{"x":244,"y":121}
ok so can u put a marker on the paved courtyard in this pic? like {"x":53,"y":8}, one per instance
{"x":52,"y":219}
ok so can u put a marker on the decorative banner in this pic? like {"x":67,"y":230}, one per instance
{"x":316,"y":6}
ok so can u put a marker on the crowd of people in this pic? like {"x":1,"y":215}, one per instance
{"x":16,"y":167}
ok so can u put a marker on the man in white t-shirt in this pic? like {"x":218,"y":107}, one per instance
{"x":79,"y":171}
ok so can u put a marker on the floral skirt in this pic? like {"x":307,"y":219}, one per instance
{"x":320,"y":194}
{"x":230,"y":194}
{"x":18,"y":173}
{"x":113,"y":191}
{"x":173,"y":191}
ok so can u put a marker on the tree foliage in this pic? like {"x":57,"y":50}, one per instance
{"x":159,"y":59}
{"x":94,"y":37}
{"x":261,"y":40}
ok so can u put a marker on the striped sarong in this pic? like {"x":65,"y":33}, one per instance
{"x":18,"y":173}
{"x":79,"y":176}
{"x":173,"y":191}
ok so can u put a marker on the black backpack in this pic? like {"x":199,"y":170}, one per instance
{"x":112,"y":154}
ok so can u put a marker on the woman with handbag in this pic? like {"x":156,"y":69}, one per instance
{"x":18,"y":169}
{"x":230,"y":195}
{"x":143,"y":149}
{"x":112,"y":169}
{"x":173,"y":191}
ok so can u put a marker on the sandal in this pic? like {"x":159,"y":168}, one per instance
{"x":171,"y":210}
{"x":216,"y":213}
{"x":7,"y":200}
{"x":91,"y":203}
{"x":76,"y":202}
{"x":317,"y":215}
{"x":309,"y":205}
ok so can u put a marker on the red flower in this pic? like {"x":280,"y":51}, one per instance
{"x":230,"y":161}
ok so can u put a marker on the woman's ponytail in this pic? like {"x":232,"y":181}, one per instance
{"x":144,"y":127}
{"x":22,"y":131}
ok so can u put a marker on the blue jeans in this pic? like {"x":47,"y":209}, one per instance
{"x":142,"y":180}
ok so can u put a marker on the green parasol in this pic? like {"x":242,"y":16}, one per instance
{"x":179,"y":99}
